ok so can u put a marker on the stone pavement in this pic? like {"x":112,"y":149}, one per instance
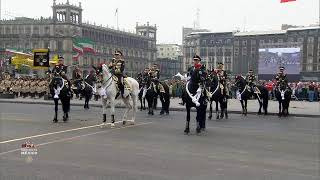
{"x":297,"y":108}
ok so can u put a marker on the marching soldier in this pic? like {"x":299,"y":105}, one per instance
{"x":118,"y":65}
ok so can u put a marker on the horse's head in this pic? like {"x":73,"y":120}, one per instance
{"x":102,"y":72}
{"x":240,"y":81}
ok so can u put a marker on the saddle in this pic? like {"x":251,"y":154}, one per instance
{"x":125,"y":83}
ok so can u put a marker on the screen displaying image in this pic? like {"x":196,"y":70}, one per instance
{"x":270,"y":59}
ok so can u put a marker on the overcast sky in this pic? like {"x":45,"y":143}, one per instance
{"x":171,"y":15}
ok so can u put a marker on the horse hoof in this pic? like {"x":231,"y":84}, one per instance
{"x":113,"y":125}
{"x":55,"y":121}
{"x":161,"y":113}
{"x":198,"y":131}
{"x":124,"y":122}
{"x":186,"y":131}
{"x":210,"y":117}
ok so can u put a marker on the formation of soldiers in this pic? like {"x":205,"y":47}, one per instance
{"x":24,"y":86}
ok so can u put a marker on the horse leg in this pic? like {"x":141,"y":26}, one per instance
{"x":260,"y":106}
{"x":187,"y":129}
{"x":112,"y":110}
{"x":199,"y":119}
{"x":222,"y":107}
{"x":134,"y":107}
{"x":242,"y":105}
{"x":129,"y":107}
{"x":246,"y":105}
{"x":141,"y":107}
{"x":210,"y":112}
{"x":162,"y":104}
{"x":167,"y":98}
{"x":280,"y":103}
{"x":65,"y":106}
{"x":104,"y":110}
{"x":56,"y":103}
{"x":144,"y":103}
{"x":217,"y":109}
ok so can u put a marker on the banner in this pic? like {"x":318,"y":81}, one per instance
{"x":41,"y":57}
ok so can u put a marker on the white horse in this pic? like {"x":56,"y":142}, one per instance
{"x":108,"y":92}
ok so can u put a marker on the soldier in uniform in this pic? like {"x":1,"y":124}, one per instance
{"x":198,"y":74}
{"x":61,"y":70}
{"x":281,"y":77}
{"x":251,"y":79}
{"x":118,"y":65}
{"x":222,"y":75}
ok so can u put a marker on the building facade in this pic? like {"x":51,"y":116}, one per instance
{"x":80,"y":43}
{"x":213,"y":48}
{"x":169,"y":51}
{"x":169,"y":67}
{"x":239,"y":51}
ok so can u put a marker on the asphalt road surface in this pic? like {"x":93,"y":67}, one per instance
{"x":155,"y":148}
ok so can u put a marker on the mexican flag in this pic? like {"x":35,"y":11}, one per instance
{"x":86,"y":44}
{"x":76,"y":56}
{"x":285,"y":1}
{"x":77,"y":48}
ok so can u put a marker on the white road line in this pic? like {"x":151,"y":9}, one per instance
{"x":75,"y":137}
{"x":58,"y":132}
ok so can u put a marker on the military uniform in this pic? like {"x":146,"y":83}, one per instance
{"x":222,"y":76}
{"x":251,"y":79}
{"x":197,"y":75}
{"x":117,"y":66}
{"x":281,"y":77}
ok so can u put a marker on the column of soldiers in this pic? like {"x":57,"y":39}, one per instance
{"x":24,"y":86}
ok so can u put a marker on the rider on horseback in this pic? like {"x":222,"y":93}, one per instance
{"x":154,"y":74}
{"x":60,"y":70}
{"x":251,"y":82}
{"x":197,"y":74}
{"x":222,"y":75}
{"x":281,"y":77}
{"x":117,"y":65}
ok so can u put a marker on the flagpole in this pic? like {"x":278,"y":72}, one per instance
{"x":117,"y":18}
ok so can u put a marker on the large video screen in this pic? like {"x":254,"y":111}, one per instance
{"x":270,"y":59}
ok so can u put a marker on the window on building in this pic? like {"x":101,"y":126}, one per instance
{"x":244,"y":42}
{"x":253,"y":42}
{"x":309,"y":68}
{"x":28,"y":30}
{"x":59,"y":46}
{"x":36,"y":30}
{"x":8,"y":30}
{"x":310,"y":39}
{"x":300,"y":39}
